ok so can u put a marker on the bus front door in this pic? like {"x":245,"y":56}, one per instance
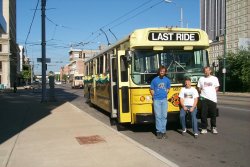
{"x":113,"y":87}
{"x":124,"y":114}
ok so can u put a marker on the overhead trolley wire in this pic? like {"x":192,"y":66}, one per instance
{"x":34,"y":14}
{"x":137,"y":14}
{"x":127,"y":19}
{"x":120,"y":17}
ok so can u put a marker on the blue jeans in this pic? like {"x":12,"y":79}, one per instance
{"x":160,"y":111}
{"x":194,"y":119}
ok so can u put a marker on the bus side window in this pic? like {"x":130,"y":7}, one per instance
{"x":87,"y":69}
{"x":101,"y":65}
{"x":124,"y":69}
{"x":91,"y":68}
{"x":114,"y":71}
{"x":107,"y":63}
{"x":98,"y":65}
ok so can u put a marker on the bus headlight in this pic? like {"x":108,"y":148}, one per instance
{"x":143,"y":98}
{"x":148,"y":98}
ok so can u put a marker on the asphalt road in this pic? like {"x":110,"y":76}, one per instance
{"x":231,"y":147}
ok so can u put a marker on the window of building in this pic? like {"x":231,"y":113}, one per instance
{"x":1,"y":47}
{"x":236,"y":44}
{"x":1,"y":66}
{"x":245,"y":35}
{"x":80,"y":55}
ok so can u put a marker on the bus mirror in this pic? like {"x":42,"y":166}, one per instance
{"x":129,"y":55}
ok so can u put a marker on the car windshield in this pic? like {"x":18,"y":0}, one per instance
{"x":180,"y":64}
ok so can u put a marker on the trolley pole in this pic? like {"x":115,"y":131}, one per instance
{"x":44,"y":68}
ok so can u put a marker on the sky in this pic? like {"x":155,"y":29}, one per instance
{"x":78,"y":24}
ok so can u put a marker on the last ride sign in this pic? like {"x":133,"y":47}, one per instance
{"x":173,"y":36}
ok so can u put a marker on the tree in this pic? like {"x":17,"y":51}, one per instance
{"x":238,"y":71}
{"x":64,"y":77}
{"x":57,"y":77}
{"x":26,"y":74}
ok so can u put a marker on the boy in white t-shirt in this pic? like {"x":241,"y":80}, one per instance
{"x":188,"y":100}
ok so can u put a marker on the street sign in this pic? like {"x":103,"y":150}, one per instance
{"x":40,"y":60}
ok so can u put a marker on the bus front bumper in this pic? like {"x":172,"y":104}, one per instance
{"x":147,"y":118}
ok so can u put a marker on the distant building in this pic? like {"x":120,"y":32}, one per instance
{"x":238,"y":24}
{"x":2,"y":31}
{"x":213,"y":18}
{"x":2,"y":19}
{"x":77,"y":57}
{"x":213,"y":22}
{"x":21,"y":59}
{"x":216,"y":49}
{"x":232,"y":15}
{"x":8,"y":47}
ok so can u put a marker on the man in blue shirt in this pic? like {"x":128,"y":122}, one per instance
{"x":159,"y":88}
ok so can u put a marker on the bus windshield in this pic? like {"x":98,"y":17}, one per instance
{"x":78,"y":77}
{"x":179,"y":63}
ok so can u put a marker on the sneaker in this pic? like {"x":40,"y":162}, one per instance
{"x":159,"y":135}
{"x":184,"y":131}
{"x":164,"y":136}
{"x":196,"y":135}
{"x":203,"y":131}
{"x":214,"y":130}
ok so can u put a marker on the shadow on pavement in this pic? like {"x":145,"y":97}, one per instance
{"x":20,"y":110}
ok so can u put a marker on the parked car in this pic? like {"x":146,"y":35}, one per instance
{"x":58,"y":82}
{"x":33,"y":85}
{"x":36,"y":85}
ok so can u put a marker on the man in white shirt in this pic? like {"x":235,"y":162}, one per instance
{"x":208,"y":87}
{"x":188,"y":100}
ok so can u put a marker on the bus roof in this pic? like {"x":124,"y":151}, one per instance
{"x":139,"y":38}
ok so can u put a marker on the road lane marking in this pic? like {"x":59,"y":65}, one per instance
{"x":234,"y":108}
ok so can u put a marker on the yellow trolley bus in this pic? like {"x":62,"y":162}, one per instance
{"x":118,"y":78}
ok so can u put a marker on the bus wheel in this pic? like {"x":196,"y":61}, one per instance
{"x":121,"y":127}
{"x":113,"y":121}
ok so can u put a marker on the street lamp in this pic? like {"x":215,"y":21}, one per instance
{"x":181,"y":20}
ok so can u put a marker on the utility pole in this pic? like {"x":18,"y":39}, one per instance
{"x":225,"y":52}
{"x":44,"y":67}
{"x":181,"y":17}
{"x":181,"y":20}
{"x":31,"y":72}
{"x":224,"y":62}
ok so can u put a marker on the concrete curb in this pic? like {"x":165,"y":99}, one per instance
{"x":146,"y":149}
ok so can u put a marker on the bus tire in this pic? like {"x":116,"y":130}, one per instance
{"x":113,"y":122}
{"x":121,"y":127}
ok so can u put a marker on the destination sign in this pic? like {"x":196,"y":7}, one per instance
{"x":173,"y":36}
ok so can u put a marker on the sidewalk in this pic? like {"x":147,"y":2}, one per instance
{"x":34,"y":134}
